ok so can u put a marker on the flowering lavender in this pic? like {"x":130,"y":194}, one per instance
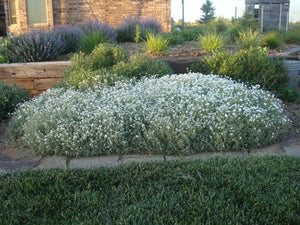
{"x":93,"y":26}
{"x":43,"y":45}
{"x":151,"y":23}
{"x":36,"y":46}
{"x":70,"y":36}
{"x":126,"y":29}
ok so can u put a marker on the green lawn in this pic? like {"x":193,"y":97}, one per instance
{"x":253,"y":190}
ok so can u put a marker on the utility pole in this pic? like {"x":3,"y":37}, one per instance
{"x":235,"y":15}
{"x":182,"y":14}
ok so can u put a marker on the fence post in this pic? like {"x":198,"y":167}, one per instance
{"x":287,"y":21}
{"x":182,"y":14}
{"x":280,"y":15}
{"x":235,"y":15}
{"x":262,"y":19}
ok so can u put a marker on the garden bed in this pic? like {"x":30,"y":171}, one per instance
{"x":179,"y":143}
{"x":171,"y":115}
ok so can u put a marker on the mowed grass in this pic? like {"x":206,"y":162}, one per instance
{"x":250,"y":190}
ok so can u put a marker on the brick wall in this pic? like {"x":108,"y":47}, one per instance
{"x":113,"y":11}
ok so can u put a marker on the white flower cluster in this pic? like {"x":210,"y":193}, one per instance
{"x":175,"y":114}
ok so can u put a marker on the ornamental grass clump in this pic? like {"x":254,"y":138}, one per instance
{"x":272,"y":40}
{"x":156,"y":44}
{"x":178,"y":114}
{"x":248,"y":38}
{"x":211,"y":42}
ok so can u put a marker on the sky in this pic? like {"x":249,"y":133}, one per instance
{"x":224,"y":8}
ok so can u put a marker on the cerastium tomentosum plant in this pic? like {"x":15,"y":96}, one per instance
{"x":176,"y":114}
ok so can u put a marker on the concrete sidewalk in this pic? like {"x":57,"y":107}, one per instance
{"x":13,"y":160}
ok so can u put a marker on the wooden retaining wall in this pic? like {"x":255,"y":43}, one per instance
{"x":34,"y":77}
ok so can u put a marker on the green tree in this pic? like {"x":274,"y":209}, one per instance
{"x":208,"y":11}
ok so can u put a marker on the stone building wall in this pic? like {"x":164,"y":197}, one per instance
{"x":74,"y":11}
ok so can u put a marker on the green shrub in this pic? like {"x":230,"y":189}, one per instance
{"x":211,"y":42}
{"x":3,"y":49}
{"x":106,"y":55}
{"x":178,"y":114}
{"x":250,"y":66}
{"x":85,"y":70}
{"x":177,"y":37}
{"x":191,"y":33}
{"x":141,"y":66}
{"x":292,"y":36}
{"x":174,"y":38}
{"x":248,"y":38}
{"x":211,"y":64}
{"x":234,"y":31}
{"x":271,"y":40}
{"x":90,"y":41}
{"x":82,"y":79}
{"x":219,"y":25}
{"x":10,"y":97}
{"x":289,"y":94}
{"x":156,"y":44}
{"x":85,"y":73}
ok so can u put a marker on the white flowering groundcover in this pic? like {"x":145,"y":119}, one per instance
{"x":178,"y":114}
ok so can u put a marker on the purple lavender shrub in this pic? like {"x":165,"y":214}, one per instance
{"x":151,"y":23}
{"x":95,"y":26}
{"x":70,"y":36}
{"x":36,"y":46}
{"x":127,"y":28}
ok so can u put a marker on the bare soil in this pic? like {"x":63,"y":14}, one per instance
{"x":191,"y":48}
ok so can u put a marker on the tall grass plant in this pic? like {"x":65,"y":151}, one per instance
{"x":211,"y":42}
{"x":156,"y":44}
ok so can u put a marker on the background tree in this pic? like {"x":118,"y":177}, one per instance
{"x":208,"y":11}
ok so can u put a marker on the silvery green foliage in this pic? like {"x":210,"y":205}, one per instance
{"x":175,"y":114}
